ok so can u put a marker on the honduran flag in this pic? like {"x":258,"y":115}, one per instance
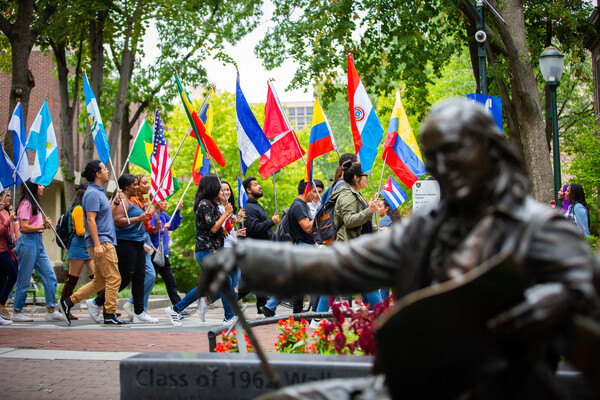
{"x":242,"y":195}
{"x":367,"y":131}
{"x":401,"y":152}
{"x":95,"y":121}
{"x":251,"y":139}
{"x":393,"y":193}
{"x":320,"y":142}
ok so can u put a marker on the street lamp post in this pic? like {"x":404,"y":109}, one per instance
{"x":552,"y":66}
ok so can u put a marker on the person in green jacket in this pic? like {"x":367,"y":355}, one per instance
{"x":352,"y":215}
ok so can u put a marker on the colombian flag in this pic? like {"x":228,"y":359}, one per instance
{"x":320,"y":142}
{"x":200,"y":131}
{"x":401,"y":152}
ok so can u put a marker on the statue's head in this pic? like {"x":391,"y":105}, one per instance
{"x":465,"y":151}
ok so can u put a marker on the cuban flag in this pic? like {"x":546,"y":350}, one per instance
{"x":367,"y":131}
{"x":242,"y":195}
{"x":393,"y":193}
{"x":252,"y":141}
{"x":17,"y":126}
{"x":320,"y":142}
{"x":491,"y":103}
{"x":401,"y":152}
{"x":42,"y":140}
{"x":95,"y":121}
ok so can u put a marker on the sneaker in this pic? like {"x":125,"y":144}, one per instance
{"x":231,"y":321}
{"x":54,"y":316}
{"x":129,"y":310}
{"x":266,"y":312}
{"x":111,"y":319}
{"x":20,"y":317}
{"x":144,"y":318}
{"x":94,"y":310}
{"x":4,"y":321}
{"x":65,"y":306}
{"x":315,"y":323}
{"x":202,"y":307}
{"x":173,"y":316}
{"x":4,"y":313}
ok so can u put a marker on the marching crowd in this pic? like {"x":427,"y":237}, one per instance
{"x":125,"y":241}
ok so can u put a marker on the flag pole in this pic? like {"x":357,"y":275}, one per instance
{"x":204,"y":105}
{"x":372,"y":197}
{"x":117,"y":183}
{"x":37,"y":204}
{"x":131,"y":150}
{"x":274,"y":193}
{"x":286,"y":120}
{"x":181,"y":199}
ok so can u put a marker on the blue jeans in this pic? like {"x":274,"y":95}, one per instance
{"x":274,"y":301}
{"x":32,"y":255}
{"x":149,"y":277}
{"x":193,"y":294}
{"x":323,"y":305}
{"x":372,"y":298}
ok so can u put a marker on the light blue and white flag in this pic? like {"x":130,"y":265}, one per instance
{"x":243,"y":196}
{"x":252,"y":141}
{"x":6,"y":170}
{"x":95,"y":121}
{"x":393,"y":193}
{"x":17,"y":126}
{"x":42,"y":140}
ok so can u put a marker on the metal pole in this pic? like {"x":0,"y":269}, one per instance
{"x":117,"y":183}
{"x":372,"y":197}
{"x":181,"y":199}
{"x":483,"y":87}
{"x":380,"y":182}
{"x":274,"y":193}
{"x":555,"y":146}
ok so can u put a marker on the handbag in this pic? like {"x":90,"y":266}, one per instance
{"x":159,"y":255}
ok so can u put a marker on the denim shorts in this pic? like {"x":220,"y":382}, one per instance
{"x":77,"y":249}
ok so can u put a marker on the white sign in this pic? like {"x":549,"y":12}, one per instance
{"x":426,"y":194}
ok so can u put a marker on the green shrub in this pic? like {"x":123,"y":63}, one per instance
{"x":185,"y":269}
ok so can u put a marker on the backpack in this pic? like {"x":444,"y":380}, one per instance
{"x":64,"y":229}
{"x":284,"y":233}
{"x":323,"y":227}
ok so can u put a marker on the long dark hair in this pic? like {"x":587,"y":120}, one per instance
{"x":231,"y":199}
{"x":578,"y":196}
{"x":33,"y":188}
{"x":79,"y":194}
{"x":208,"y":189}
{"x":351,"y":169}
{"x":393,"y":214}
{"x":343,"y":159}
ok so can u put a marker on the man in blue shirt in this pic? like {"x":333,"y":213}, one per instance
{"x":165,"y":270}
{"x":100,"y":240}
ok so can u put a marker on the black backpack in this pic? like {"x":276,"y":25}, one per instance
{"x":64,"y":229}
{"x":284,"y":233}
{"x":323,"y":225}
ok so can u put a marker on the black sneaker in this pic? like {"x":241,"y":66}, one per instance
{"x":266,"y":312}
{"x":65,"y":306}
{"x":111,"y":319}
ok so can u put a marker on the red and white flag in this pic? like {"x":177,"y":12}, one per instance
{"x":161,"y":160}
{"x":285,"y":148}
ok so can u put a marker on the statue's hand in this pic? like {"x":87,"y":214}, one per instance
{"x":215,"y":269}
{"x":545,"y":309}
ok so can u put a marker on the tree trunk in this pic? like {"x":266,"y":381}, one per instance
{"x":526,"y":99}
{"x":125,"y":138}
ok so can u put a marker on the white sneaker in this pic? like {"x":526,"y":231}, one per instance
{"x":20,"y":317}
{"x":4,"y":321}
{"x":129,"y":310}
{"x":202,"y":307}
{"x":315,"y":323}
{"x":173,"y":316}
{"x":54,"y":316}
{"x":94,"y":310}
{"x":144,"y":318}
{"x":232,"y":321}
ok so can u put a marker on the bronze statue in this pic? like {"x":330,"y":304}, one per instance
{"x":485,"y":216}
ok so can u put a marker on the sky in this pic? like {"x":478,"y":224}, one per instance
{"x":253,"y":76}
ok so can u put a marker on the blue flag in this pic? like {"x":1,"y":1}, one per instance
{"x":95,"y":121}
{"x":6,"y":171}
{"x":492,"y":104}
{"x":243,"y":196}
{"x":17,"y":127}
{"x":252,"y":141}
{"x":393,"y":193}
{"x":42,"y":140}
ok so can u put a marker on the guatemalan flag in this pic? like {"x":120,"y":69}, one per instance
{"x":251,"y":139}
{"x":401,"y":152}
{"x":393,"y":193}
{"x":42,"y":140}
{"x":367,"y":131}
{"x":320,"y":142}
{"x":17,"y":126}
{"x":95,"y":120}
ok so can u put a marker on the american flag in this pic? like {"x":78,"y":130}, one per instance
{"x":160,"y":160}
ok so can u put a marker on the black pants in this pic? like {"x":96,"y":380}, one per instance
{"x":132,"y":267}
{"x":166,"y":273}
{"x":260,"y":300}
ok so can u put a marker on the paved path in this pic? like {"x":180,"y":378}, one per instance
{"x":49,"y":360}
